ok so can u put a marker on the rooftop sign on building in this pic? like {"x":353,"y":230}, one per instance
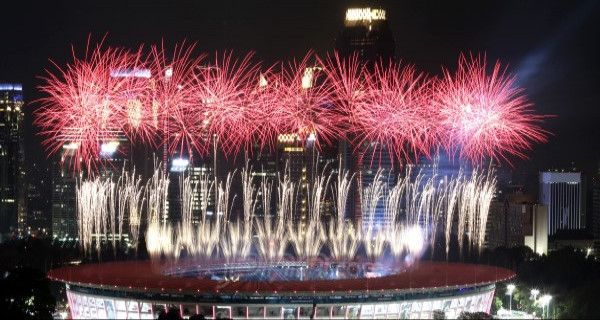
{"x":364,"y":15}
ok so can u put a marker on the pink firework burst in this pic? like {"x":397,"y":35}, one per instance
{"x":80,"y":110}
{"x":484,"y":114}
{"x":348,"y":78}
{"x":395,"y":112}
{"x":224,"y":92}
{"x":305,"y":103}
{"x":174,"y":108}
{"x":262,"y":96}
{"x":137,"y":111}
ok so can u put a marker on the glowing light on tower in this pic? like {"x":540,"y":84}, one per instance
{"x":366,"y":15}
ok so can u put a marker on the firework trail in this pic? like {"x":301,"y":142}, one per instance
{"x":308,"y":239}
{"x":185,"y":235}
{"x":413,"y":208}
{"x":373,"y":241}
{"x":344,"y":237}
{"x":451,"y":198}
{"x":133,"y":192}
{"x":238,"y":235}
{"x":272,"y":239}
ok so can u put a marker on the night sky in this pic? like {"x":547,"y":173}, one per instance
{"x":552,"y":46}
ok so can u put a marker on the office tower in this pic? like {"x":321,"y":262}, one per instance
{"x":64,"y":214}
{"x":296,"y":159}
{"x":505,"y":223}
{"x":536,"y":229}
{"x":196,"y":171}
{"x":562,"y":194}
{"x":12,"y":173}
{"x":366,"y":33}
{"x":39,"y":218}
{"x":595,"y":197}
{"x":515,"y":219}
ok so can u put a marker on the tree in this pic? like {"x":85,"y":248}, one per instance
{"x":496,"y":304}
{"x":438,"y":315}
{"x":473,"y":315}
{"x":581,"y":303}
{"x":25,"y":294}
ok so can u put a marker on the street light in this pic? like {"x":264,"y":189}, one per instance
{"x":509,"y":291}
{"x":545,"y":302}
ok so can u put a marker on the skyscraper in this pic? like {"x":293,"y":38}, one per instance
{"x":197,"y":171}
{"x":536,"y":229}
{"x":12,"y":212}
{"x":594,"y":218}
{"x":562,"y":194}
{"x":367,"y":35}
{"x":38,"y":202}
{"x":64,"y":217}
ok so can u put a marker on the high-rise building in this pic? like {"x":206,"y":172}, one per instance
{"x":64,"y":214}
{"x":39,"y":218}
{"x":296,"y":158}
{"x":505,"y":221}
{"x":536,"y":229}
{"x":594,"y":219}
{"x":12,"y":173}
{"x":562,"y":194}
{"x":197,"y":172}
{"x":515,"y":219}
{"x":367,"y":35}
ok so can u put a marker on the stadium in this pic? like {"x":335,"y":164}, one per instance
{"x":287,"y":290}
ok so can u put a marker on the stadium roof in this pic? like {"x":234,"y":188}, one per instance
{"x":146,"y":276}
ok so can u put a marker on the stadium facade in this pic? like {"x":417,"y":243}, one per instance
{"x":142,"y":290}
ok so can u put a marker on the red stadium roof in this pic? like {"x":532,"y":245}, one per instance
{"x":144,"y":276}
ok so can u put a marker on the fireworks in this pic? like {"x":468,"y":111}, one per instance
{"x":191,"y":105}
{"x":484,"y":114}
{"x":305,"y":99}
{"x":343,"y":237}
{"x":174,"y":112}
{"x":414,"y":209}
{"x":84,"y":103}
{"x":223,"y":89}
{"x":395,"y":112}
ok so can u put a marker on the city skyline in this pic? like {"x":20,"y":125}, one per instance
{"x":299,"y":160}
